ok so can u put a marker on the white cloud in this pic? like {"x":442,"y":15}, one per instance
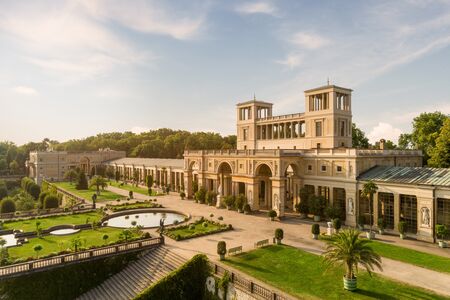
{"x":139,"y":129}
{"x":310,"y":41}
{"x":384,"y":131}
{"x":291,"y":61}
{"x":257,"y":8}
{"x":25,"y":90}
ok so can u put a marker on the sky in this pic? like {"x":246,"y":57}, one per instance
{"x":75,"y":68}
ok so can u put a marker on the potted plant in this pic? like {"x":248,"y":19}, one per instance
{"x":381,"y":225}
{"x":337,"y":224}
{"x":402,"y":229}
{"x":302,"y":208}
{"x":316,"y":205}
{"x":442,"y":231}
{"x":229,"y":202}
{"x":279,"y":234}
{"x":346,"y":248}
{"x":240,"y":202}
{"x":272,"y":214}
{"x":370,"y":188}
{"x":221,"y":249}
{"x":361,"y":221}
{"x":182,"y":195}
{"x":247,"y":209}
{"x":315,"y":231}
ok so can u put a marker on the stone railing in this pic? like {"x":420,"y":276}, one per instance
{"x":77,"y":257}
{"x":282,"y":117}
{"x":247,"y":285}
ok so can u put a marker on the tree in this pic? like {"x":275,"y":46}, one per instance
{"x":126,"y":234}
{"x":3,"y":164}
{"x":346,"y":248}
{"x":149,"y":181}
{"x":440,"y":155}
{"x":82,"y":183}
{"x":222,"y":249}
{"x":426,"y":129}
{"x":359,"y":139}
{"x":14,"y":167}
{"x":42,"y":196}
{"x":109,"y":173}
{"x":24,"y":202}
{"x":37,"y":248}
{"x":75,"y":244}
{"x":71,"y":175}
{"x":3,"y":191}
{"x":105,"y":238}
{"x":7,"y":205}
{"x":405,"y":141}
{"x":388,"y":145}
{"x":51,"y":201}
{"x":98,"y":182}
{"x":370,"y":188}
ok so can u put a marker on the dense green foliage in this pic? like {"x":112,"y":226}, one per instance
{"x":359,"y":139}
{"x":82,"y":183}
{"x":162,"y":143}
{"x":440,"y":154}
{"x":135,"y":205}
{"x":64,"y":283}
{"x":199,"y":228}
{"x":185,"y":283}
{"x":7,"y":205}
{"x":275,"y":264}
{"x":51,"y":201}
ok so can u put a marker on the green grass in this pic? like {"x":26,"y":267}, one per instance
{"x":136,"y":205}
{"x":75,"y":219}
{"x":51,"y":243}
{"x":303,"y":275}
{"x":199,"y":229}
{"x":135,"y":189}
{"x":87,"y":194}
{"x":421,"y":259}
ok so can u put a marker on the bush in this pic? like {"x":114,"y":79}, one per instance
{"x":272,"y":213}
{"x":200,"y":195}
{"x":315,"y":228}
{"x":42,"y":196}
{"x":192,"y":227}
{"x":220,"y":218}
{"x":221,"y":248}
{"x":34,"y":190}
{"x":7,"y":205}
{"x":441,"y":231}
{"x":302,"y":207}
{"x":381,"y":223}
{"x":402,"y":227}
{"x":3,"y":192}
{"x":279,"y":234}
{"x":332,"y":212}
{"x":187,"y":282}
{"x":182,"y":195}
{"x":51,"y":201}
{"x":82,"y":183}
{"x":337,"y":223}
{"x":229,"y":201}
{"x":241,"y":200}
{"x":247,"y":208}
{"x":316,"y":204}
{"x":210,"y":197}
{"x":205,"y":224}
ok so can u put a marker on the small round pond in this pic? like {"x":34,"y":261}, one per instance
{"x":10,"y":240}
{"x":144,"y":219}
{"x":65,"y":231}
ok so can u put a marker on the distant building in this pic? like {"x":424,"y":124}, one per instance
{"x":52,"y":165}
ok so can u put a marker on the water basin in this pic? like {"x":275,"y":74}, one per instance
{"x":64,"y":231}
{"x":10,"y":240}
{"x":146,"y":220}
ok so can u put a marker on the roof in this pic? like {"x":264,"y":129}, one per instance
{"x":408,"y":175}
{"x":150,"y":162}
{"x":254,"y":102}
{"x":330,"y":86}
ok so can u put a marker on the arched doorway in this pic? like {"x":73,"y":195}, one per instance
{"x":85,"y":165}
{"x":292,"y":186}
{"x":264,"y":186}
{"x":224,"y":187}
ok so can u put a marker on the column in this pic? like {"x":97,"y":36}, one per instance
{"x":278,"y":195}
{"x":188,"y":184}
{"x":375,"y":209}
{"x":396,"y":211}
{"x":252,"y":195}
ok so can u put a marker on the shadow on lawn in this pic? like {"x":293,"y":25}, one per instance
{"x":242,"y":265}
{"x":374,"y":295}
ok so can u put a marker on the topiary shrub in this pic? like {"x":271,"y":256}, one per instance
{"x":247,"y":208}
{"x":279,"y":235}
{"x":205,"y":224}
{"x":7,"y":206}
{"x":272,"y":214}
{"x":220,"y":218}
{"x":192,"y":227}
{"x":51,"y":201}
{"x":182,"y":195}
{"x":337,"y":224}
{"x":34,"y":190}
{"x":200,"y":195}
{"x":315,"y":230}
{"x":222,"y":249}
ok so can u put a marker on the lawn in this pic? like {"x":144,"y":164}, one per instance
{"x":185,"y":232}
{"x":421,"y":259}
{"x":73,"y":219}
{"x":87,"y":194}
{"x":53,"y":243}
{"x":135,"y":189}
{"x":303,"y":275}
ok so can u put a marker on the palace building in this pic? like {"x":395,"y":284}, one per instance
{"x":278,"y":155}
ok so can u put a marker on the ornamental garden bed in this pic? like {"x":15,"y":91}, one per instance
{"x":199,"y":228}
{"x":105,"y":195}
{"x":135,"y":205}
{"x":134,"y":188}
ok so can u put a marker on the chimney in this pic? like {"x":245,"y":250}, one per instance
{"x":382,"y":142}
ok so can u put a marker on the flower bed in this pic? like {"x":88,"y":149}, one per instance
{"x":135,"y":205}
{"x":199,"y":228}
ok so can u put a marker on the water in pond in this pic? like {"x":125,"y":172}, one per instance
{"x":64,"y":231}
{"x":146,"y":220}
{"x":10,"y":240}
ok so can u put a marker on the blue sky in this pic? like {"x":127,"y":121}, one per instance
{"x":70,"y":69}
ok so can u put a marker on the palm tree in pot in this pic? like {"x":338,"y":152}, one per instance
{"x":381,"y":225}
{"x":346,"y":248}
{"x":369,"y":189}
{"x":402,"y":229}
{"x":441,"y":231}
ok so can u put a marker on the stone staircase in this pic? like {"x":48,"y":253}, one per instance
{"x":138,"y":275}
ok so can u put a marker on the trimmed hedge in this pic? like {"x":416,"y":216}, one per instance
{"x":66,"y":282}
{"x":135,"y":205}
{"x":222,"y":227}
{"x":185,"y":283}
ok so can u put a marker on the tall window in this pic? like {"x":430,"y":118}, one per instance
{"x":386,"y":208}
{"x":408,"y":212}
{"x":324,"y":191}
{"x":339,"y":201}
{"x":310,"y":189}
{"x":319,"y":128}
{"x":245,"y":134}
{"x":342,"y":128}
{"x":443,"y":212}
